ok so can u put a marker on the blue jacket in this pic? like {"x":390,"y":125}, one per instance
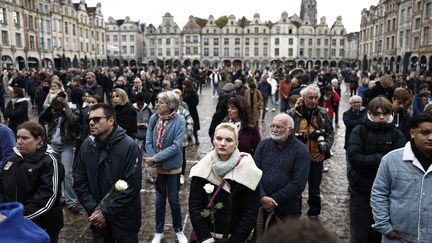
{"x":171,"y":156}
{"x":418,"y":107}
{"x":17,"y":228}
{"x":285,"y":173}
{"x":7,"y":139}
{"x":401,"y":197}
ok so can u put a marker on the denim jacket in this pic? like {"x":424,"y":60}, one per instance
{"x":171,"y":155}
{"x":401,"y":197}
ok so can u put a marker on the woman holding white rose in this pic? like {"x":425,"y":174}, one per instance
{"x":235,"y":205}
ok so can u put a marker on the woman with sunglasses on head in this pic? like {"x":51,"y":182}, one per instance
{"x":32,"y":175}
{"x":367,"y":144}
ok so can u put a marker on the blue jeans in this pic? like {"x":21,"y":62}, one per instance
{"x":66,"y":154}
{"x":168,"y":185}
{"x":314,"y":182}
{"x":215,"y":88}
{"x":284,"y":104}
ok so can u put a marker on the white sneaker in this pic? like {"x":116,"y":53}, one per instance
{"x":181,"y":237}
{"x":182,"y":179}
{"x":157,"y":238}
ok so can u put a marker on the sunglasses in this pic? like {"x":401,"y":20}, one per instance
{"x":96,"y":119}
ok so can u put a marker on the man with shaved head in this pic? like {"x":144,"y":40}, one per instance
{"x":284,"y":161}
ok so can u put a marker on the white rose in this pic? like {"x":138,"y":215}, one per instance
{"x":121,"y":185}
{"x":208,"y":188}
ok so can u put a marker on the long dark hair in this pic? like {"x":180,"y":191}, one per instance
{"x":188,"y":89}
{"x":240,"y":104}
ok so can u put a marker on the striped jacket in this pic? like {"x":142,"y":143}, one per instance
{"x":35,"y":181}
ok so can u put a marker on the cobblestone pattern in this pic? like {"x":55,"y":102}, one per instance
{"x":335,"y":212}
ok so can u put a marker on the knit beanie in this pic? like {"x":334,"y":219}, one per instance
{"x":15,"y":228}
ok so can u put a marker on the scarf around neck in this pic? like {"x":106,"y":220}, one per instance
{"x":221,"y":168}
{"x":161,"y":129}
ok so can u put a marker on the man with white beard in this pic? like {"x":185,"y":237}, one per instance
{"x":284,"y":161}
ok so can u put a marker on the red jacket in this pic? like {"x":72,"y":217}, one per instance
{"x":329,"y":104}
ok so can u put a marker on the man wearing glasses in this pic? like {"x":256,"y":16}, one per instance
{"x":284,"y":161}
{"x":313,"y":127}
{"x":105,"y":157}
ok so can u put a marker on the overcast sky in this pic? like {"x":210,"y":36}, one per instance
{"x":152,"y":11}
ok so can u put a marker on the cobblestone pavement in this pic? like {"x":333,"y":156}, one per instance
{"x":335,"y":212}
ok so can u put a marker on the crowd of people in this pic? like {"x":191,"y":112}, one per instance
{"x":96,"y":127}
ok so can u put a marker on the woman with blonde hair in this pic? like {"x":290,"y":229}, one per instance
{"x":55,"y":88}
{"x":125,"y":114}
{"x":225,"y":180}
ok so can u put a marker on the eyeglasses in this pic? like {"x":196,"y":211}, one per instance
{"x":277,"y":127}
{"x":380,"y":114}
{"x":96,"y":119}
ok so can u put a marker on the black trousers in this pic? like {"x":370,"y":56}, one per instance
{"x":361,"y":220}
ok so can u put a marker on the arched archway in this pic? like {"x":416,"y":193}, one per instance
{"x":290,"y":64}
{"x":75,"y":62}
{"x":318,"y":64}
{"x":47,"y":63}
{"x":237,"y":63}
{"x":7,"y":61}
{"x":57,"y":62}
{"x":414,"y":62}
{"x":196,"y":63}
{"x":333,"y":64}
{"x":151,"y":63}
{"x":21,"y":62}
{"x":32,"y":62}
{"x":125,"y":63}
{"x":104,"y":63}
{"x":398,"y":63}
{"x":301,"y":64}
{"x":309,"y":64}
{"x":341,"y":64}
{"x":392,"y":64}
{"x":423,"y":64}
{"x":160,"y":63}
{"x":168,"y":63}
{"x":116,"y":62}
{"x":326,"y":64}
{"x":177,"y":63}
{"x":187,"y":62}
{"x":227,"y":63}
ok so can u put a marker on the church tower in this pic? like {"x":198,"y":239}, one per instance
{"x":309,"y":8}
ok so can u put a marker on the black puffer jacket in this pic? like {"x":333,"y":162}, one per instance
{"x":29,"y":180}
{"x":368,"y":143}
{"x":98,"y":166}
